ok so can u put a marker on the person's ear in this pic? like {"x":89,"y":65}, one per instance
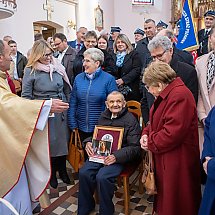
{"x":106,"y":103}
{"x":124,"y":104}
{"x":171,"y":50}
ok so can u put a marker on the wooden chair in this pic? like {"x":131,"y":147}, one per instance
{"x":135,"y":108}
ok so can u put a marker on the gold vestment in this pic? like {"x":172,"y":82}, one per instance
{"x":21,"y":142}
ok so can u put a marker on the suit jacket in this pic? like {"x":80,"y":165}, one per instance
{"x":206,"y":99}
{"x":173,"y":141}
{"x":130,"y":74}
{"x":183,"y":56}
{"x":183,"y":70}
{"x":68,"y":61}
{"x":72,"y":44}
{"x":143,"y":51}
{"x":21,"y":62}
{"x":203,"y":42}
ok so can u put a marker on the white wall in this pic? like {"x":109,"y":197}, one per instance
{"x":116,"y":13}
{"x":122,"y":13}
{"x":20,"y":25}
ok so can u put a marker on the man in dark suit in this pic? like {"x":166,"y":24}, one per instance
{"x":66,"y":54}
{"x":161,"y":49}
{"x":19,"y":61}
{"x":114,"y":32}
{"x":161,"y":25}
{"x":79,"y":42}
{"x":138,"y":35}
{"x":142,"y":49}
{"x":209,"y":19}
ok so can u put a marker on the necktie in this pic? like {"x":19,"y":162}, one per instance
{"x":206,"y":32}
{"x":10,"y":83}
{"x":78,"y":46}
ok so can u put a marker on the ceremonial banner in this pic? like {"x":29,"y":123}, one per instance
{"x":187,"y":38}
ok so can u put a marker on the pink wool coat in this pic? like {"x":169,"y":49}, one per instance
{"x":173,"y":140}
{"x":206,"y":100}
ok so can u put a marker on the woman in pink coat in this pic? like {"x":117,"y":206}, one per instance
{"x":172,"y":137}
{"x":205,"y":67}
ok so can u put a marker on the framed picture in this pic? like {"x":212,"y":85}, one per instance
{"x":110,"y":134}
{"x":99,"y":19}
{"x":143,"y":2}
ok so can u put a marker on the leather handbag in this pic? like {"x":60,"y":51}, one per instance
{"x":76,"y":152}
{"x":18,"y":86}
{"x":148,"y":177}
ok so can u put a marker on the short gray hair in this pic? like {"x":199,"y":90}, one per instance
{"x":160,"y":41}
{"x":95,"y":54}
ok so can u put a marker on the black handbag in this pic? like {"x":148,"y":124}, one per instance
{"x":125,"y":89}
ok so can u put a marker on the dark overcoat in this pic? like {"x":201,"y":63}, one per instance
{"x":208,"y":200}
{"x":130,"y":74}
{"x":173,"y":140}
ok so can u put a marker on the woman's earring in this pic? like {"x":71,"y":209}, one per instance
{"x":159,"y":89}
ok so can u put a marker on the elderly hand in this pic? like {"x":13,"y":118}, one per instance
{"x":144,"y":142}
{"x":205,"y":164}
{"x":89,"y":149}
{"x":109,"y":160}
{"x":58,"y":106}
{"x":119,"y":82}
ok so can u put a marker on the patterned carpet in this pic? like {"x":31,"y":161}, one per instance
{"x":64,"y":200}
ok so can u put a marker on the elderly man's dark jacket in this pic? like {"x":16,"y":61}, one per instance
{"x":130,"y":150}
{"x":21,"y":62}
{"x":68,"y":61}
{"x":183,"y":70}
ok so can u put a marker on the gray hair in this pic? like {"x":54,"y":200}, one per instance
{"x":160,"y":41}
{"x":1,"y":47}
{"x":95,"y":54}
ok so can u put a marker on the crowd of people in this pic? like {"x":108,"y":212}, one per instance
{"x":86,"y":82}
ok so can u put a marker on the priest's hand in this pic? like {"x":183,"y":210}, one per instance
{"x":58,"y":106}
{"x":109,"y":160}
{"x":89,"y":149}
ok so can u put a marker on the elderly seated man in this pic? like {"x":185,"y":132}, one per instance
{"x":102,"y":176}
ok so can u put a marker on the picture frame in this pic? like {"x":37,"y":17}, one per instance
{"x":142,"y":2}
{"x":109,"y":133}
{"x":99,"y":18}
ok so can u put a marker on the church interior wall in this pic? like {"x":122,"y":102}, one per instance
{"x":115,"y":12}
{"x":20,"y":25}
{"x":130,"y":17}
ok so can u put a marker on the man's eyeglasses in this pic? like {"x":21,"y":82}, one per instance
{"x":57,"y":44}
{"x":92,"y":42}
{"x":48,"y":55}
{"x":159,"y":56}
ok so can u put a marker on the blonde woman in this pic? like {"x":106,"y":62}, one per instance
{"x":128,"y":68}
{"x":45,"y":78}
